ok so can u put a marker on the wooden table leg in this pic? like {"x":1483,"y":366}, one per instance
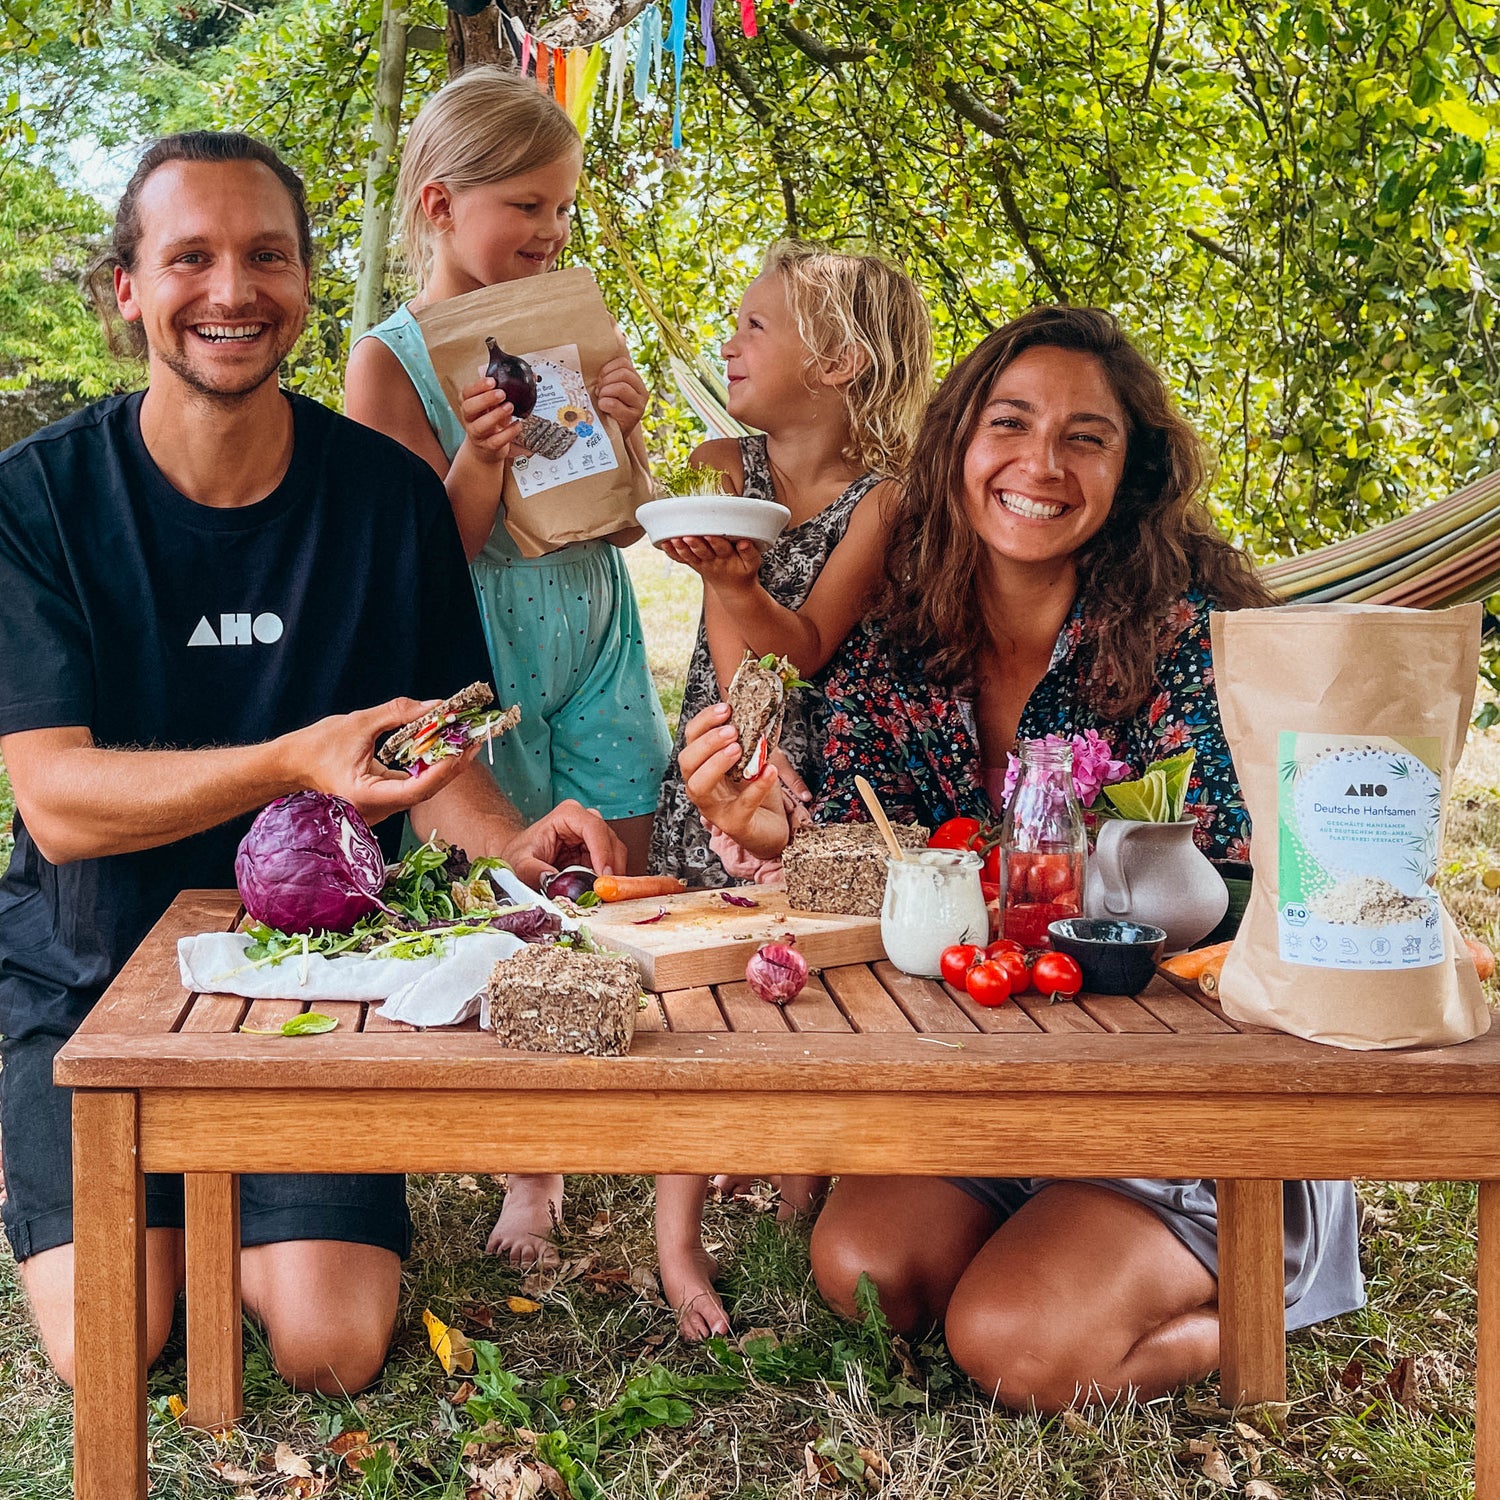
{"x":1487,"y":1376}
{"x":109,"y":1299}
{"x":1252,"y":1293}
{"x":215,"y":1353}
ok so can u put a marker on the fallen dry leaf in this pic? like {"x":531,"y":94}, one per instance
{"x":1216,"y":1468}
{"x":478,"y":1313}
{"x":1401,"y":1383}
{"x":293,"y":1464}
{"x":230,"y":1473}
{"x":304,"y":1487}
{"x":353,"y":1438}
{"x":1260,"y":1489}
{"x":1352,"y":1376}
{"x":450,"y":1346}
{"x":177,"y":1406}
{"x":1198,"y":1408}
{"x":902,"y":1350}
{"x":643,"y":1279}
{"x":357,"y":1458}
{"x":1077,"y":1423}
{"x":1272,"y":1416}
{"x":509,"y":1477}
{"x":1249,"y":1433}
{"x":462,"y":1394}
{"x":873,"y":1461}
{"x":523,"y":1306}
{"x":600,"y":1226}
{"x":469,"y":1184}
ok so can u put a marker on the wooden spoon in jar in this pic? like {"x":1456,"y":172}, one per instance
{"x":877,"y":812}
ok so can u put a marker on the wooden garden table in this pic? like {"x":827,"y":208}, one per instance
{"x":869,"y":1071}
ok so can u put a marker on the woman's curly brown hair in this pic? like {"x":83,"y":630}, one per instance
{"x":1158,"y":541}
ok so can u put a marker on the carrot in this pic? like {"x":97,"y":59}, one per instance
{"x":630,"y":887}
{"x":1208,"y":980}
{"x":1484,"y":960}
{"x":1191,"y":965}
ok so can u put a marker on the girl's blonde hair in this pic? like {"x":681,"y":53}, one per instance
{"x":861,"y":302}
{"x":488,"y":124}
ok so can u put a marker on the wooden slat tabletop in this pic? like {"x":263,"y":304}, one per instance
{"x":149,"y":1032}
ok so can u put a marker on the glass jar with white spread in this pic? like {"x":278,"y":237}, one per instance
{"x":933,"y":899}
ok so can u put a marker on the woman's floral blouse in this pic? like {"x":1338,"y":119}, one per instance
{"x":919,"y":747}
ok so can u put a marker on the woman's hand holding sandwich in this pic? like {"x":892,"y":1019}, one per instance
{"x":752,"y":812}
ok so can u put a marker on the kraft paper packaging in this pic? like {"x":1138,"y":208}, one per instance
{"x":1346,"y":722}
{"x":559,"y":325}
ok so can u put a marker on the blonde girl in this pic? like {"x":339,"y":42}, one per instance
{"x":486,"y":189}
{"x":831,"y":360}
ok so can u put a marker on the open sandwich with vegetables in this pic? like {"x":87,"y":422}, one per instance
{"x":435,"y":937}
{"x":448,"y":729}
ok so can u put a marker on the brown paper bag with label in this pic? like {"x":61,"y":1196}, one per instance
{"x":1346,"y":722}
{"x":559,"y":324}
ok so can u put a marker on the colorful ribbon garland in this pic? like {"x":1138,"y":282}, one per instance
{"x":572,"y":77}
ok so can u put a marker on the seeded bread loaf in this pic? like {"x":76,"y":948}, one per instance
{"x":553,"y":999}
{"x":840,"y":867}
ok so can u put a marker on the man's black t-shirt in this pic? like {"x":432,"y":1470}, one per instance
{"x":159,"y":623}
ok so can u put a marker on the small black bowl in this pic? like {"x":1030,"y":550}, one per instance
{"x":1117,"y":958}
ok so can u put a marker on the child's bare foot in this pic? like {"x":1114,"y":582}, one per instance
{"x":687,"y":1281}
{"x":523,"y":1232}
{"x":734,"y":1185}
{"x":801,"y":1197}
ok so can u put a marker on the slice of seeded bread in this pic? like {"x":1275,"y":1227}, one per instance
{"x":840,"y":867}
{"x":550,"y":999}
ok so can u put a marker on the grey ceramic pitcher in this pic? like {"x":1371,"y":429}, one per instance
{"x":1155,"y":873}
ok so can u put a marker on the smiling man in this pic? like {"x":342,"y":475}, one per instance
{"x":206,"y":585}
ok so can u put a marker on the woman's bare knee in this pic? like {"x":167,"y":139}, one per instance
{"x":1023,"y":1357}
{"x":911,"y":1236}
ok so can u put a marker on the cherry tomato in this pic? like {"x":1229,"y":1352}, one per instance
{"x":956,"y":833}
{"x":989,"y":984}
{"x":1057,"y":974}
{"x":991,"y":889}
{"x":1051,"y":878}
{"x":990,"y":870}
{"x":1014,"y":964}
{"x":1003,"y":945}
{"x":956,"y":962}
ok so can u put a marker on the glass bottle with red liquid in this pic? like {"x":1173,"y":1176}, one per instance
{"x":1043,"y":845}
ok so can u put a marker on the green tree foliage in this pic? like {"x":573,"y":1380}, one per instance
{"x":1292,"y":204}
{"x":48,"y":234}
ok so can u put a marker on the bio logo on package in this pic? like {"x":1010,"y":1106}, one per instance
{"x":1359,"y":822}
{"x":563,"y":398}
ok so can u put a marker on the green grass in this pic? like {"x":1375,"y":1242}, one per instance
{"x":828,"y":1395}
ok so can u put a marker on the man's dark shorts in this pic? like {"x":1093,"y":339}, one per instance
{"x":36,"y":1139}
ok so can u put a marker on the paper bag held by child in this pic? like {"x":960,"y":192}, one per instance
{"x":580,"y":480}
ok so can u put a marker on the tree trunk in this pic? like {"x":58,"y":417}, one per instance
{"x":473,"y":40}
{"x":385,"y":125}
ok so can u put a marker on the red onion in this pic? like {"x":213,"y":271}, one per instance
{"x":776,"y":971}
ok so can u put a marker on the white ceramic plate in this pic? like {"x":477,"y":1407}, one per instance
{"x":760,"y":521}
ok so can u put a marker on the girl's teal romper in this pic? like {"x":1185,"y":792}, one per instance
{"x":565,"y":639}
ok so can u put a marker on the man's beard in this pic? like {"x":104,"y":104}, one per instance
{"x":223,"y":387}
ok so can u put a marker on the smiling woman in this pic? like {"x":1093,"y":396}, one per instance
{"x":1052,"y":571}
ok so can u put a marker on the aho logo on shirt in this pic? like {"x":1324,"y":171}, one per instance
{"x":238,"y":630}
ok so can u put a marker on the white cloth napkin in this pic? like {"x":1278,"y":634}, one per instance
{"x":437,"y":991}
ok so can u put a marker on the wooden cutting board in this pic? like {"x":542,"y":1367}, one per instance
{"x":704,"y":939}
